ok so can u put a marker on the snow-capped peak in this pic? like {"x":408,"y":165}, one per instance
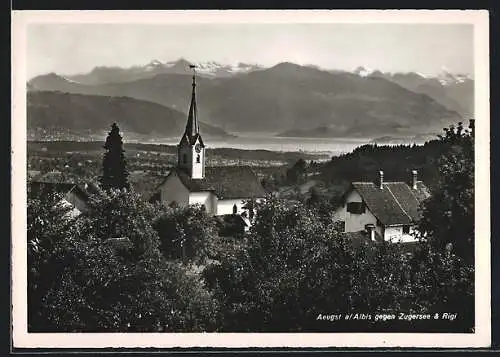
{"x":69,"y":80}
{"x":446,"y":77}
{"x":153,"y":65}
{"x":420,"y":74}
{"x":213,"y":68}
{"x":363,"y":71}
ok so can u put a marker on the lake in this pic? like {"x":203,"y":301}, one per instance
{"x":336,"y":146}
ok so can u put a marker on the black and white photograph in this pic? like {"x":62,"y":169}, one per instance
{"x":301,"y":178}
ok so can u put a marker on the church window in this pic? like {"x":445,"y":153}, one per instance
{"x":235,"y":209}
{"x":184,"y":159}
{"x":198,"y":158}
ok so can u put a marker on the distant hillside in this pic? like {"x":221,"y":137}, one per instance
{"x":455,"y":92}
{"x":318,"y":132}
{"x":283,"y":98}
{"x":88,"y":114}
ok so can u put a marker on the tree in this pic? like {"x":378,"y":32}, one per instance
{"x":111,"y":276}
{"x":186,"y":233}
{"x":48,"y":224}
{"x":448,"y":215}
{"x":442,"y":281}
{"x":298,"y":172}
{"x":114,"y":166}
{"x":294,"y":266}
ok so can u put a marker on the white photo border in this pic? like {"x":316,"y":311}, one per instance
{"x":480,"y":338}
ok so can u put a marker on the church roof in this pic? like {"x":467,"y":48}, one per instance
{"x":395,"y":204}
{"x":191,"y":139}
{"x":192,"y":131}
{"x":225,"y":181}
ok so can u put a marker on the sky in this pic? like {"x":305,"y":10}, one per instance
{"x":424,"y":48}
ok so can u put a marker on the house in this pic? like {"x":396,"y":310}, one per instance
{"x":221,"y":190}
{"x":72,"y":194}
{"x":383,"y":210}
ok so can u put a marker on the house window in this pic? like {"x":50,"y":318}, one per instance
{"x":406,"y":229}
{"x":198,"y":158}
{"x":356,"y":207}
{"x":184,"y":159}
{"x":235,"y":209}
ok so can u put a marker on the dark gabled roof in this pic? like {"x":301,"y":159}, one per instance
{"x":191,"y":139}
{"x":57,"y":182}
{"x":196,"y":137}
{"x":225,"y":182}
{"x":40,"y":188}
{"x":395,"y":204}
{"x":407,"y":198}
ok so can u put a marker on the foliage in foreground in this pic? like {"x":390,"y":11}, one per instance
{"x":108,"y":274}
{"x":296,"y":266}
{"x":448,"y":215}
{"x":186,"y":233}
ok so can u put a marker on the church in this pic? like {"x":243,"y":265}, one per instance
{"x":221,"y":190}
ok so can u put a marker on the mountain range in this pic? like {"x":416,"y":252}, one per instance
{"x":454,"y":91}
{"x":286,"y":99}
{"x":210,"y":69}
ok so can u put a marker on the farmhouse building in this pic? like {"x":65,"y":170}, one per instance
{"x":221,"y":190}
{"x":383,"y":210}
{"x":72,"y":196}
{"x":73,"y":192}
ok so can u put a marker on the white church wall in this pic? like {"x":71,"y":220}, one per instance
{"x":197,"y":165}
{"x":173,"y":190}
{"x":208,"y":199}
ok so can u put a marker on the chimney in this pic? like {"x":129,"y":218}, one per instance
{"x":370,"y":228}
{"x":414,"y":179}
{"x":381,"y":179}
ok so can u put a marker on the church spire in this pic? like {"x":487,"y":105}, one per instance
{"x":192,"y":126}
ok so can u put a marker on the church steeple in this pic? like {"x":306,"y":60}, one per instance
{"x":191,"y":150}
{"x":192,"y":126}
